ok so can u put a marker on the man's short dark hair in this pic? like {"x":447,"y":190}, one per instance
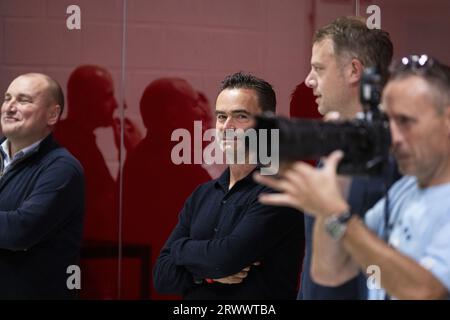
{"x":266,"y":95}
{"x":351,"y":36}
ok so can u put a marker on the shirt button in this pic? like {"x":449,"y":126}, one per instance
{"x":216,"y":229}
{"x":224,"y":201}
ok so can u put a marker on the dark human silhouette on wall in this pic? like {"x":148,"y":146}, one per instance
{"x":155,"y":188}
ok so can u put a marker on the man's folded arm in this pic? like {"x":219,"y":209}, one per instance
{"x":256,"y":234}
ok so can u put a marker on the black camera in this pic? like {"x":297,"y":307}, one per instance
{"x":365,"y":141}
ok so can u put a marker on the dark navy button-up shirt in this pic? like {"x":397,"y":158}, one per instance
{"x":222,"y":231}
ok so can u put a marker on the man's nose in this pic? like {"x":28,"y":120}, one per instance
{"x":396,"y":136}
{"x":9,"y":106}
{"x":310,"y":81}
{"x":229,"y":123}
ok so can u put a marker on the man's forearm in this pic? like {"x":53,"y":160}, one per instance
{"x":169,"y":278}
{"x":213,"y":258}
{"x":401,"y":276}
{"x":331,"y":265}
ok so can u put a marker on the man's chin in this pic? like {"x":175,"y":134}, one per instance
{"x":8,"y":129}
{"x":322,"y":110}
{"x":405,"y":168}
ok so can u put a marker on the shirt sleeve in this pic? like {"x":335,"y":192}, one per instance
{"x":436,"y":258}
{"x":374,"y":217}
{"x":59,"y":188}
{"x":167,"y":276}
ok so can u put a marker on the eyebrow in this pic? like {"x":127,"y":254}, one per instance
{"x":233,"y":112}
{"x":20,"y":95}
{"x":23,"y":95}
{"x":316,"y":65}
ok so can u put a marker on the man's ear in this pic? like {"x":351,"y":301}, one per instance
{"x":53,"y":114}
{"x":356,"y":71}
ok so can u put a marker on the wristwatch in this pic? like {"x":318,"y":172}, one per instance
{"x":337,"y":224}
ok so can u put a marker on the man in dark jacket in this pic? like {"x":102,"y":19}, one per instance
{"x":41,"y":195}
